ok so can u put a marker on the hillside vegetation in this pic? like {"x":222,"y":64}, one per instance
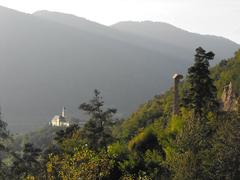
{"x":201,"y":142}
{"x":227,"y":71}
{"x":160,"y":107}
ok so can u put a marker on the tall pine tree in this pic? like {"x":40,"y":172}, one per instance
{"x":194,"y":141}
{"x":201,"y":96}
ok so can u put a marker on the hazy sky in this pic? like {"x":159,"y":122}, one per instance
{"x":218,"y":17}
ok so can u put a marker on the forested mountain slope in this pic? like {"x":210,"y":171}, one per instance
{"x":159,"y":108}
{"x":200,"y":142}
{"x":192,"y":148}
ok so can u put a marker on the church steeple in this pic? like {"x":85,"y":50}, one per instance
{"x":63,"y":112}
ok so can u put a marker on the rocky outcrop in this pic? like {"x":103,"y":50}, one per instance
{"x":229,"y":98}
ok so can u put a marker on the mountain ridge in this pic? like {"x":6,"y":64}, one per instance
{"x":120,"y":23}
{"x":143,"y":39}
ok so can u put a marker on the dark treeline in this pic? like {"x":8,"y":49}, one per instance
{"x":201,"y":142}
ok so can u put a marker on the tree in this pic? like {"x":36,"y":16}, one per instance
{"x":225,"y":153}
{"x":83,"y":163}
{"x":201,"y":96}
{"x":147,"y":155}
{"x":97,"y":130}
{"x":4,"y":137}
{"x":202,"y":99}
{"x":194,"y":140}
{"x":66,"y":134}
{"x":28,"y":164}
{"x":68,"y":139}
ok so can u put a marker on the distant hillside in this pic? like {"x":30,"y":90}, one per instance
{"x":73,"y":21}
{"x":157,"y":36}
{"x":175,"y":36}
{"x":41,"y":138}
{"x":49,"y":60}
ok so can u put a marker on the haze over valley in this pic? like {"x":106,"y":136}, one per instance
{"x":50,"y":59}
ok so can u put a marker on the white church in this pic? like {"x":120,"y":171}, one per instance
{"x":60,"y":120}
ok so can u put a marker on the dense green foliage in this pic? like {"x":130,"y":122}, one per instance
{"x":227,"y":71}
{"x":28,"y":163}
{"x":201,"y":142}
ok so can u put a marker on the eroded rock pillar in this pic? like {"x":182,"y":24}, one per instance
{"x":176,"y":78}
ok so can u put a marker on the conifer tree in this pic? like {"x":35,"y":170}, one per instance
{"x":201,"y":96}
{"x":194,"y":141}
{"x":97,"y":130}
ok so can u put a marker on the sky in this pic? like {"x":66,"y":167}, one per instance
{"x":215,"y":17}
